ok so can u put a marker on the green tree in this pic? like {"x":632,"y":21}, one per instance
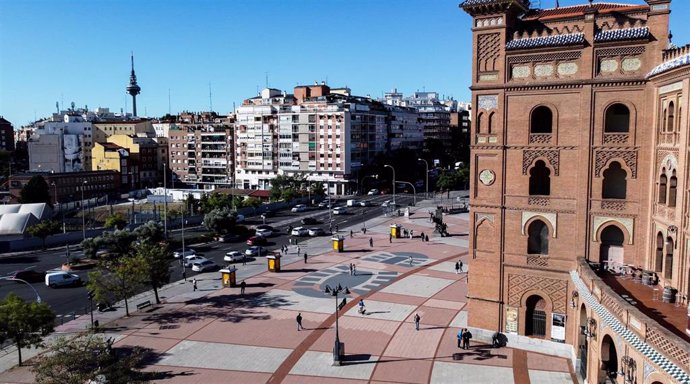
{"x":155,"y":260}
{"x":88,"y":359}
{"x":251,"y":202}
{"x":191,"y":204}
{"x":447,"y":181}
{"x":151,"y":231}
{"x":117,"y":221}
{"x":317,"y":189}
{"x":44,"y":229}
{"x":117,"y":279}
{"x":219,"y":221}
{"x":26,"y":324}
{"x":35,"y":191}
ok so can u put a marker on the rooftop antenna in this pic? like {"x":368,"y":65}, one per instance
{"x":169,"y":109}
{"x":266,"y":79}
{"x":57,"y":106}
{"x":62,"y":101}
{"x":210,"y":97}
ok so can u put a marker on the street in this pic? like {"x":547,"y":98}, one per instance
{"x":70,"y":302}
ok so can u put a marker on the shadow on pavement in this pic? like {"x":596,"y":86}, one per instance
{"x":305,"y":270}
{"x":478,"y":353}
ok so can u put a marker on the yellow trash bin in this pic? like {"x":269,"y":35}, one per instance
{"x":229,"y":277}
{"x":273,"y":263}
{"x":396,"y":231}
{"x":338,"y":242}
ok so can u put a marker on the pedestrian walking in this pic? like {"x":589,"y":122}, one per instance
{"x":305,"y":257}
{"x":411,"y":233}
{"x":461,"y":265}
{"x":422,"y":236}
{"x":466,"y":336}
{"x":457,"y":268}
{"x":416,"y":321}
{"x":336,"y":227}
{"x":460,"y":338}
{"x":244,"y":259}
{"x":351,"y":269}
{"x":194,"y":284}
{"x":364,"y":230}
{"x":354,"y":269}
{"x":297,"y":250}
{"x":371,"y":242}
{"x":426,"y":238}
{"x":390,"y":238}
{"x":243,"y":286}
{"x":362,"y":309}
{"x":410,"y":260}
{"x":299,"y":322}
{"x":184,"y":274}
{"x":431,"y":217}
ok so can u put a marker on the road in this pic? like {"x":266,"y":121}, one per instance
{"x":68,"y":302}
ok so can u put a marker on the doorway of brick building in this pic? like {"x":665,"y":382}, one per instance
{"x":611,"y":255}
{"x":535,"y":316}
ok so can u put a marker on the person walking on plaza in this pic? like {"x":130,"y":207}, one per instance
{"x":298,"y":250}
{"x":461,"y":265}
{"x":305,"y":257}
{"x":466,"y":336}
{"x":371,"y":242}
{"x":364,"y":230}
{"x":243,"y":286}
{"x":457,"y":268}
{"x":299,"y":322}
{"x":411,"y":234}
{"x":390,"y":238}
{"x":194,"y":284}
{"x":184,"y":274}
{"x":410,"y":260}
{"x":422,"y":236}
{"x":460,"y":338}
{"x":426,"y":238}
{"x":354,"y":269}
{"x":351,"y":269}
{"x":416,"y":321}
{"x":351,"y":234}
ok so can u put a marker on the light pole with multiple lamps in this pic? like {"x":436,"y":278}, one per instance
{"x":83,"y":212}
{"x":338,"y":348}
{"x":427,"y":176}
{"x":391,"y":167}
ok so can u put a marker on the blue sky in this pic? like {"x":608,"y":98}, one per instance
{"x":57,"y":50}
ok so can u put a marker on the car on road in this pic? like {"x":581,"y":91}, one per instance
{"x":229,"y":238}
{"x":257,"y":240}
{"x":233,"y":256}
{"x":265,"y":226}
{"x":299,"y":231}
{"x":189,"y":260}
{"x":62,"y":279}
{"x":299,"y":208}
{"x":264,"y":232}
{"x":364,"y":203}
{"x":309,"y":221}
{"x":255,"y":251}
{"x":373,"y":192}
{"x":316,"y":232}
{"x":187,"y":252}
{"x":339,"y":211}
{"x":324,"y":204}
{"x":352,"y":203}
{"x":204,"y":265}
{"x":387,"y":203}
{"x":268,"y":214}
{"x":29,"y":275}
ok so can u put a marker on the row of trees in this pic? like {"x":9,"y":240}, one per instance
{"x":451,"y":180}
{"x":290,"y":187}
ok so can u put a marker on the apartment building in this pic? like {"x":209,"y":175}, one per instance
{"x":6,"y":135}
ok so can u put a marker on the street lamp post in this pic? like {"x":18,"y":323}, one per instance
{"x":38,"y":298}
{"x":83,"y":212}
{"x":165,"y":197}
{"x":391,"y":167}
{"x":427,"y":176}
{"x":414,"y":191}
{"x":62,"y":215}
{"x":338,"y":348}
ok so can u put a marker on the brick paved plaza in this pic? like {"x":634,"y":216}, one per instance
{"x":219,"y":336}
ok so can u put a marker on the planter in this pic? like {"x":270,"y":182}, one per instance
{"x":78,"y":266}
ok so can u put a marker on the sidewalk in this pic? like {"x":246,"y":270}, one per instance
{"x":217,"y":335}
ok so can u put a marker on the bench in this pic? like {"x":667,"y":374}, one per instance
{"x":143,"y":305}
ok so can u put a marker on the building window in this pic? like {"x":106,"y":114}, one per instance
{"x":670,"y":119}
{"x":541,"y":120}
{"x":659,"y":255}
{"x":538,"y":240}
{"x":614,"y":182}
{"x":479,"y":122}
{"x":617,"y":119}
{"x":491,"y":123}
{"x":672,"y":190}
{"x":662,"y":186}
{"x":540,"y":179}
{"x":668,"y":263}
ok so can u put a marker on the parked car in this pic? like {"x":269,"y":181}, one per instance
{"x":62,"y":279}
{"x":309,"y":221}
{"x":268,"y":214}
{"x":325,"y":204}
{"x":233,"y":256}
{"x":339,"y":211}
{"x":316,"y":232}
{"x":299,"y":208}
{"x":364,"y":203}
{"x":373,"y":192}
{"x":30,"y":276}
{"x":204,"y":265}
{"x":255,"y":251}
{"x":187,"y":252}
{"x":299,"y":231}
{"x":387,"y":203}
{"x":189,"y":260}
{"x":264,"y":232}
{"x":257,"y":240}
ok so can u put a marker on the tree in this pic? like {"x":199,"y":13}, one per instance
{"x":447,"y":181}
{"x":118,"y":278}
{"x":35,"y":191}
{"x":117,"y":221}
{"x":156,"y":263}
{"x":191,"y":204}
{"x":44,"y":229}
{"x":152,"y":232}
{"x":219,"y":221}
{"x":317,"y":189}
{"x":251,"y":202}
{"x":24,"y":323}
{"x":88,"y":359}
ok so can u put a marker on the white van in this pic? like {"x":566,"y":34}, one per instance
{"x":352,"y":203}
{"x":62,"y":279}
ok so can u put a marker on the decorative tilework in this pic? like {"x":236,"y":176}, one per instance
{"x":488,"y":102}
{"x":669,"y":65}
{"x":608,"y":65}
{"x":622,"y":34}
{"x":547,"y":41}
{"x":543,"y":70}
{"x":521,"y":71}
{"x":567,"y":69}
{"x":631,"y":64}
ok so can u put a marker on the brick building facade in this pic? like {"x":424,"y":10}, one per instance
{"x":578,"y":165}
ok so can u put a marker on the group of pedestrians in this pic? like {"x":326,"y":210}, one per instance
{"x":458,"y":267}
{"x":464,"y":336}
{"x":353,"y":269}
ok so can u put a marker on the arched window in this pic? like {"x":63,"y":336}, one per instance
{"x":609,"y":358}
{"x":662,"y":187}
{"x":671,"y":118}
{"x":541,"y":120}
{"x":491,"y":123}
{"x":668,"y":263}
{"x":540,"y":179}
{"x":659,"y":256}
{"x":663,"y":124}
{"x":479,"y":122}
{"x":672,"y":190}
{"x":617,"y":119}
{"x":538,"y":238}
{"x":614,"y":182}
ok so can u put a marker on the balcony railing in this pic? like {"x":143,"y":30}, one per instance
{"x":616,"y":138}
{"x":540,"y":138}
